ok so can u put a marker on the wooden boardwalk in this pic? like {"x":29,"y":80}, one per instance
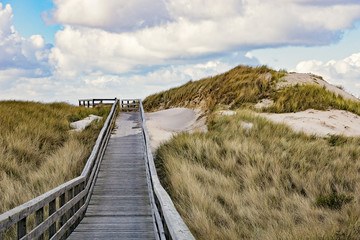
{"x":120,"y":207}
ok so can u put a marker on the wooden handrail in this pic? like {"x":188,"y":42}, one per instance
{"x":166,"y":216}
{"x":74,"y":197}
{"x":93,"y":101}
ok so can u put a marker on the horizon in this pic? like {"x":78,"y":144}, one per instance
{"x":53,"y":51}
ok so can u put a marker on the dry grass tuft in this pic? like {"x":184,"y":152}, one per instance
{"x":37,"y":150}
{"x":267,"y":183}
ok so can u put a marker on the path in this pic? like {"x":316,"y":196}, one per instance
{"x":119,"y":207}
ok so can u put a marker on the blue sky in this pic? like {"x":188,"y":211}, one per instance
{"x":62,"y":50}
{"x":28,"y":20}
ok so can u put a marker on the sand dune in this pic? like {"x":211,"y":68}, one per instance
{"x":321,"y":123}
{"x":162,"y":125}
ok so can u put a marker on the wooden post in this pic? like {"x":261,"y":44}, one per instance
{"x":71,"y":210}
{"x":39,"y":218}
{"x":52,"y":209}
{"x":76,"y":207}
{"x":88,"y":103}
{"x":93,"y":103}
{"x":21,"y":228}
{"x":61,"y":203}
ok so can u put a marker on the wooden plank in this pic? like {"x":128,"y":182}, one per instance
{"x":111,"y":235}
{"x":120,"y":201}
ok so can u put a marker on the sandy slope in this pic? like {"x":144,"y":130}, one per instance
{"x":308,"y":78}
{"x":321,"y":123}
{"x":162,"y":125}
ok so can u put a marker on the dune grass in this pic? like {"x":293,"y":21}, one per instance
{"x":37,"y":150}
{"x":237,"y":87}
{"x":265,"y":183}
{"x":302,"y":97}
{"x":243,"y":87}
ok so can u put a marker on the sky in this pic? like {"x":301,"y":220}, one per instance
{"x":63,"y":50}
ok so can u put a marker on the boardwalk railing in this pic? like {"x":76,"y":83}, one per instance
{"x":65,"y":205}
{"x":168,"y":223}
{"x":130,"y":105}
{"x":93,"y":102}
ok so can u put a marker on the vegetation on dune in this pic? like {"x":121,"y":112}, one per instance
{"x":265,"y":183}
{"x":37,"y":150}
{"x":301,"y":97}
{"x":239,"y":86}
{"x":244,"y":86}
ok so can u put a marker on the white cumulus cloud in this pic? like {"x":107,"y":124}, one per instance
{"x":344,"y":72}
{"x":95,"y":39}
{"x":17,"y":52}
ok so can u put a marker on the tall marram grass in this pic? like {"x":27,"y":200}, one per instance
{"x":265,"y":183}
{"x":37,"y":150}
{"x":301,"y":97}
{"x":243,"y":87}
{"x":236,"y":87}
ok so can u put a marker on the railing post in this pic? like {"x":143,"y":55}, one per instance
{"x":76,"y":207}
{"x":71,"y":210}
{"x":52,"y":209}
{"x":39,"y":218}
{"x":61,"y":203}
{"x":21,"y":228}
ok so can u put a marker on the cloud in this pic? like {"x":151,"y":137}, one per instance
{"x":17,"y":52}
{"x":111,"y":15}
{"x":344,"y":72}
{"x":104,"y":42}
{"x":56,"y":88}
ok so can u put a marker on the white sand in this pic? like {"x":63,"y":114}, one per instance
{"x":82,"y":124}
{"x":321,"y":123}
{"x":162,"y":125}
{"x":308,"y":78}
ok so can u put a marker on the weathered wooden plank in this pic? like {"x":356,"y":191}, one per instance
{"x":120,"y":200}
{"x":111,"y":235}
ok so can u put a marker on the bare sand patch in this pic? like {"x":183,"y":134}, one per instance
{"x":320,"y":123}
{"x":308,"y":78}
{"x":162,"y":125}
{"x":80,"y":125}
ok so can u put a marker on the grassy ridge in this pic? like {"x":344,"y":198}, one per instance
{"x":37,"y":150}
{"x":266,"y":183}
{"x":239,"y":86}
{"x":244,"y":86}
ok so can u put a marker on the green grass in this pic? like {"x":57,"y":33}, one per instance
{"x":37,"y":150}
{"x":267,"y":183}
